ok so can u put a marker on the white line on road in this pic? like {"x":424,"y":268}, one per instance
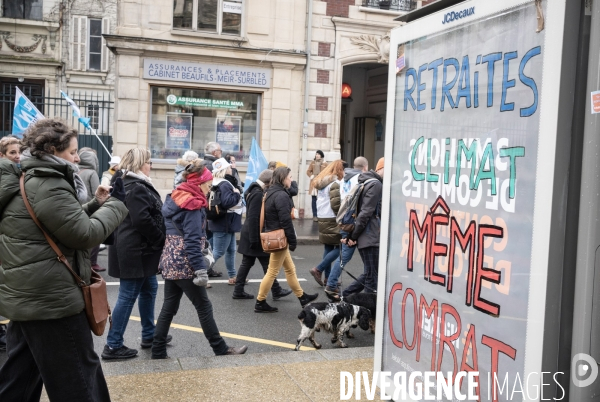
{"x":215,"y":281}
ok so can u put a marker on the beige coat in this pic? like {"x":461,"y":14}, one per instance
{"x":313,"y":171}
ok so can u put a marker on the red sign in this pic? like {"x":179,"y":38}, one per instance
{"x":346,"y":91}
{"x":595,"y":102}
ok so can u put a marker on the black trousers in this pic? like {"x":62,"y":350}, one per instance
{"x":370,"y":258}
{"x":247,"y":263}
{"x":174,"y":289}
{"x":58,"y":354}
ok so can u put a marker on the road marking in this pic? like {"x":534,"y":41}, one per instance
{"x":235,"y":336}
{"x":216,"y":281}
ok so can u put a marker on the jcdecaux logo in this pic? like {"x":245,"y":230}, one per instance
{"x":453,"y":15}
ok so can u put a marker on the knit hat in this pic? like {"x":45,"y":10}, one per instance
{"x":220,"y":164}
{"x":379,"y":164}
{"x":266,"y":176}
{"x":197,"y":179}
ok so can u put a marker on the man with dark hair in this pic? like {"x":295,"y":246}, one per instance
{"x":367,"y":229}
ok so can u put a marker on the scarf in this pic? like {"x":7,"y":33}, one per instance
{"x":80,"y":189}
{"x":188,"y":194}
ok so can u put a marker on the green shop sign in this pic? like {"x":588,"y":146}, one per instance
{"x":212,"y":103}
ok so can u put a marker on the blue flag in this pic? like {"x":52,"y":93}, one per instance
{"x":76,"y":112}
{"x":24,"y":115}
{"x":256,"y":164}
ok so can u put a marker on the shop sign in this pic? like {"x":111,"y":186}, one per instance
{"x":203,"y":102}
{"x":203,"y":73}
{"x":465,"y":277}
{"x":346,"y":91}
{"x":233,"y":8}
{"x":179,"y":131}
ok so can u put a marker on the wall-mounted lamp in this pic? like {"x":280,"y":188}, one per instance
{"x":21,"y":79}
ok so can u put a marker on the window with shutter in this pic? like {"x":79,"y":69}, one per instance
{"x":78,"y":43}
{"x":105,"y":51}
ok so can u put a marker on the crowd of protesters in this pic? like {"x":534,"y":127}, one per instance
{"x":181,"y":239}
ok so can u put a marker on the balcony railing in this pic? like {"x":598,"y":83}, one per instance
{"x":394,"y":5}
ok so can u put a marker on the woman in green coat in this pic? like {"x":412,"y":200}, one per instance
{"x":49,"y":340}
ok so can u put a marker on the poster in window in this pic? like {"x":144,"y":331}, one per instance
{"x":179,"y":130}
{"x":228,"y":133}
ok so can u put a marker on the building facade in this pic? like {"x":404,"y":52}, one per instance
{"x":48,"y":46}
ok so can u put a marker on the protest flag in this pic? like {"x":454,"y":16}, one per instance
{"x":25,"y":114}
{"x":83,"y":120}
{"x":256,"y":163}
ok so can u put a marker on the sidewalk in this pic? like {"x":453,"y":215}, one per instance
{"x":283,"y":376}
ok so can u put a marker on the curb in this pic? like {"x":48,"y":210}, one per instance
{"x":253,"y":359}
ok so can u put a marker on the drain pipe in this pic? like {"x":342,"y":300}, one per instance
{"x":302,"y":173}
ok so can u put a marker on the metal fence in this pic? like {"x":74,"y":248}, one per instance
{"x":394,"y":5}
{"x":98,"y":107}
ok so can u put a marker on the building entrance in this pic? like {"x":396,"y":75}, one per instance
{"x":362,"y":118}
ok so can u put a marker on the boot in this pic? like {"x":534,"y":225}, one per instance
{"x":261,"y":306}
{"x":306,"y":298}
{"x":282,"y":293}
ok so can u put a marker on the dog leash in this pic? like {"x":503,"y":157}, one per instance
{"x":341,"y":297}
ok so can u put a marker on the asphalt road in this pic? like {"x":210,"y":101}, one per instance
{"x":236,"y":319}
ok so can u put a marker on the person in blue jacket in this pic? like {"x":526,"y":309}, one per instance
{"x":227,"y":225}
{"x":182,"y":263}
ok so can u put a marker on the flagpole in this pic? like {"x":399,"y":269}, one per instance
{"x":101,"y":143}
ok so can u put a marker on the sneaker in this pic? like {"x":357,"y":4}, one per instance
{"x":282,"y":293}
{"x":315,"y":219}
{"x":98,"y":268}
{"x":237,"y":351}
{"x":214,"y":274}
{"x":263,"y":307}
{"x":147,"y":343}
{"x":317,"y":275}
{"x":305,"y":299}
{"x":243,"y":295}
{"x":121,"y":353}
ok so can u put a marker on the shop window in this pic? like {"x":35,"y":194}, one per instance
{"x":23,"y":9}
{"x":88,"y":47}
{"x":214,"y":16}
{"x":184,"y":118}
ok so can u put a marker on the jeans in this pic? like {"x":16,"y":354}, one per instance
{"x":276,"y":260}
{"x":174,"y":289}
{"x":336,"y":271}
{"x":129,"y":290}
{"x":60,"y":351}
{"x":224,"y":244}
{"x":247,"y":263}
{"x":314,"y":206}
{"x":368,"y":280}
{"x":330,"y":254}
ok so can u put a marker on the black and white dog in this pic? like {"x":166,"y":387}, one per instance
{"x":368,"y":301}
{"x":336,"y":318}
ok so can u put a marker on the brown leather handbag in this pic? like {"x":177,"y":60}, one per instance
{"x":95,"y":298}
{"x":271,"y":241}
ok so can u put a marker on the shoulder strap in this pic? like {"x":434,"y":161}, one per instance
{"x":262,"y":213}
{"x":60,"y":256}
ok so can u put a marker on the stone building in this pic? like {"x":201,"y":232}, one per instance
{"x":194,"y":71}
{"x":51,"y":45}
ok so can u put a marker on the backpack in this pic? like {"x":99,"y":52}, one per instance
{"x":347,"y":213}
{"x":214,"y":210}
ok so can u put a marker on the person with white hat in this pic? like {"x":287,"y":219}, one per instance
{"x":108,"y":174}
{"x":229,"y":219}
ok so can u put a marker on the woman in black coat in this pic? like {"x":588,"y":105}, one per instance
{"x":135,"y":255}
{"x":278,"y":215}
{"x":250,"y":246}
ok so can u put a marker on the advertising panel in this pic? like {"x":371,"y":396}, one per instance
{"x":179,"y":131}
{"x":228,"y":133}
{"x":463,"y":198}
